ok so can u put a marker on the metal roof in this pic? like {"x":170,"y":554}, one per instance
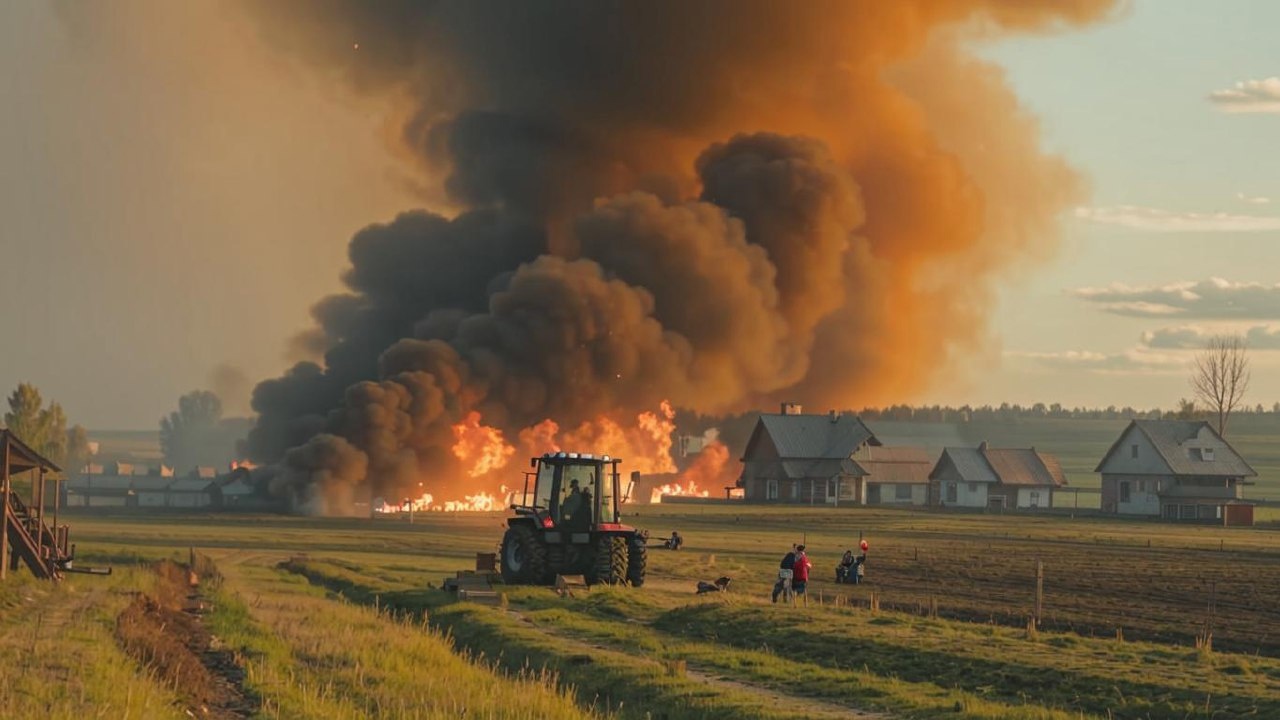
{"x":970,"y":464}
{"x":816,"y":436}
{"x":897,"y":465}
{"x":1007,"y":466}
{"x":191,"y":484}
{"x":1170,"y":437}
{"x":1024,"y":467}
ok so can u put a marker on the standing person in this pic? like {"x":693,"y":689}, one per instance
{"x":786,"y":569}
{"x":801,"y":570}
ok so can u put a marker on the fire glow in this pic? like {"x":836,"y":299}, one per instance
{"x":479,"y":502}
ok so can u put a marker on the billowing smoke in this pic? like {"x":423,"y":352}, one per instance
{"x":717,"y":203}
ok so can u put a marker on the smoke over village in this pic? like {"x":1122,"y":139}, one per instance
{"x":652,"y":207}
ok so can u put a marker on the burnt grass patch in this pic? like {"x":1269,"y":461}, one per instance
{"x":164,"y":632}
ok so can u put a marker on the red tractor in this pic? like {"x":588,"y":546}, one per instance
{"x":568,"y":524}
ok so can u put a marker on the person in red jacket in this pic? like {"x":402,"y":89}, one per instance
{"x":801,"y":570}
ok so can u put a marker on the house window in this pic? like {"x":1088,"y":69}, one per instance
{"x":1142,"y":486}
{"x":833,"y":486}
{"x":1133,"y":451}
{"x":1035,"y":498}
{"x":951,"y":492}
{"x":901,"y":492}
{"x":795,"y":490}
{"x":1206,"y":454}
{"x":771,"y":490}
{"x":1124,"y":491}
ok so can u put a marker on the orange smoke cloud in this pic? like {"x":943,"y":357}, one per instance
{"x":805,"y":201}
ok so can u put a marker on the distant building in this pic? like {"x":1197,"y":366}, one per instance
{"x":796,"y":458}
{"x":130,"y":485}
{"x":998,"y":478}
{"x":1178,"y":470}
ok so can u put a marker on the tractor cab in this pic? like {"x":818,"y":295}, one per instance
{"x":571,"y":491}
{"x":567,"y":523}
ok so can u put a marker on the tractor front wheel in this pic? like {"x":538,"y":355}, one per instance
{"x":524,"y":558}
{"x":610,"y":565}
{"x":637,"y":558}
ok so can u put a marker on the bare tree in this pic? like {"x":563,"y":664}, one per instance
{"x":1220,"y":376}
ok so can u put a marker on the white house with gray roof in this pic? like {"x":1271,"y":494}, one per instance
{"x":998,"y":478}
{"x":1178,"y":470}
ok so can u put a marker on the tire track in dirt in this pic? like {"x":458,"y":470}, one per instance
{"x":804,"y":707}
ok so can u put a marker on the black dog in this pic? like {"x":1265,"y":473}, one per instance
{"x":720,"y":585}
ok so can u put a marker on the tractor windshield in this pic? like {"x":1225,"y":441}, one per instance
{"x":578,"y":488}
{"x":543,"y":485}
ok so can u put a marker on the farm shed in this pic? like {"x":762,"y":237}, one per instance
{"x":1175,"y":469}
{"x":192,"y":491}
{"x":1000,"y":478}
{"x":796,"y":458}
{"x":93,"y":488}
{"x":895,"y":475}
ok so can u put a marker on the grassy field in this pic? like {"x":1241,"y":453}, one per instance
{"x":340,"y":619}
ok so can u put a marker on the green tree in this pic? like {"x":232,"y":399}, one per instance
{"x":186,"y":434}
{"x":43,"y":429}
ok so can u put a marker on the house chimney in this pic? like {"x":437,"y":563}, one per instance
{"x":835,"y":416}
{"x":789,"y":408}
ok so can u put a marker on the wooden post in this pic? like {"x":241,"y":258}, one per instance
{"x":39,"y":512}
{"x":4,"y":509}
{"x":1039,"y":591}
{"x":57,"y":500}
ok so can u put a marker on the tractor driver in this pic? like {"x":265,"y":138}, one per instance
{"x":572,"y":503}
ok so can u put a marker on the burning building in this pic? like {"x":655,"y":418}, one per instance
{"x":705,"y":205}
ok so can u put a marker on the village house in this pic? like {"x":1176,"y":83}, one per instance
{"x":1178,"y":470}
{"x":998,"y":478}
{"x":831,"y":459}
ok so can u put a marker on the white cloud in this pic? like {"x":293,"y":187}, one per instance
{"x":1249,"y":96}
{"x":1253,"y":199}
{"x":1212,"y":299}
{"x":1136,"y":361}
{"x":1194,"y":337}
{"x":1167,"y":221}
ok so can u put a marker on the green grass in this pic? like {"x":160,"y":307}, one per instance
{"x":60,"y":656}
{"x":342,"y":630}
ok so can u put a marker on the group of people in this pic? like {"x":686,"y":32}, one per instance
{"x":793,"y":571}
{"x":850,"y":570}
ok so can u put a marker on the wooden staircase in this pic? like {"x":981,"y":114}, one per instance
{"x":33,"y":542}
{"x":25,"y":537}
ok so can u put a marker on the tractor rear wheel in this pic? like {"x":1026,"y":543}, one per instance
{"x":524,"y":557}
{"x":637,"y":559}
{"x":610,"y":566}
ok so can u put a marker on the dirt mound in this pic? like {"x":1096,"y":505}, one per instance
{"x":163,"y":631}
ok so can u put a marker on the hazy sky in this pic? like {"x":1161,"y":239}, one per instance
{"x":174,"y":196}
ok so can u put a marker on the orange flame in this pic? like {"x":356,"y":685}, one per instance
{"x":243,"y":464}
{"x":707,"y":470}
{"x":644,"y":446}
{"x":481,"y":446}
